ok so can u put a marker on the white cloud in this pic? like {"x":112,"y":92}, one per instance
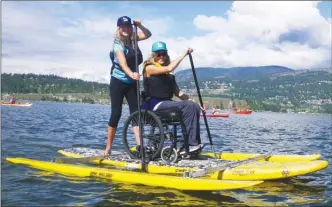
{"x":252,"y":31}
{"x":42,"y":43}
{"x":75,"y":42}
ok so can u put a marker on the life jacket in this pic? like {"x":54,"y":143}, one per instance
{"x":159,"y":86}
{"x":130,"y":58}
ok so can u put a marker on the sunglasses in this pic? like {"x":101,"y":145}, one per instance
{"x":161,"y":53}
{"x":126,"y":26}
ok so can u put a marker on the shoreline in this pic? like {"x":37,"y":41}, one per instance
{"x":89,"y":98}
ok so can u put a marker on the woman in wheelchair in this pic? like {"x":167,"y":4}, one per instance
{"x":159,"y":88}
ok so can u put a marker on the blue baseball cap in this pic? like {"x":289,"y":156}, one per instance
{"x":159,"y":45}
{"x":124,"y":20}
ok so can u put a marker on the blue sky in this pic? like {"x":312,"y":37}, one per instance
{"x":73,"y":38}
{"x":325,"y":8}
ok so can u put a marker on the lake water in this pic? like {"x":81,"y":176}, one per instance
{"x":40,"y":130}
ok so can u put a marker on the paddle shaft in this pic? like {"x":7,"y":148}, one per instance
{"x":138,"y":104}
{"x":201,"y":102}
{"x":238,"y":163}
{"x":204,"y":172}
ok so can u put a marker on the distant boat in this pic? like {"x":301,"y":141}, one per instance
{"x":242,"y":110}
{"x":16,"y":104}
{"x":217,"y":115}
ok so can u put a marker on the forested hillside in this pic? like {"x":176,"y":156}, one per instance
{"x":31,"y":83}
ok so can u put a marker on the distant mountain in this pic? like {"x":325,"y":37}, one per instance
{"x":230,"y":73}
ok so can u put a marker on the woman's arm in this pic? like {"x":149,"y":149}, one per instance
{"x":119,"y":52}
{"x":178,"y":93}
{"x":154,"y":70}
{"x":145,"y":34}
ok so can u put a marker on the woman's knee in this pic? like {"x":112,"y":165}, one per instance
{"x":112,"y":123}
{"x":114,"y":119}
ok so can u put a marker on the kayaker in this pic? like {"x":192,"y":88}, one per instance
{"x":215,"y":110}
{"x":160,"y":86}
{"x":12,"y":100}
{"x":123,"y":74}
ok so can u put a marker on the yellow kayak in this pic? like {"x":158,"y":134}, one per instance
{"x":165,"y":181}
{"x":257,"y":170}
{"x":274,"y":158}
{"x":235,"y":156}
{"x":16,"y":104}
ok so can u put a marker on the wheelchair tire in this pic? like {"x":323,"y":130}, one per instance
{"x":147,"y":118}
{"x":169,"y":155}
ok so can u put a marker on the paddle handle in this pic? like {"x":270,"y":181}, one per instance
{"x":201,"y":102}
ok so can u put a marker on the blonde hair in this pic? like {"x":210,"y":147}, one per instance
{"x":124,"y":40}
{"x":151,"y":60}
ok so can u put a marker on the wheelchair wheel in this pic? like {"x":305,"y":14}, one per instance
{"x":169,"y":155}
{"x":152,"y":134}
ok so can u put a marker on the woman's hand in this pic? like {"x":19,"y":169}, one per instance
{"x":188,"y":51}
{"x":145,"y":34}
{"x":135,"y":76}
{"x":203,"y":108}
{"x":137,"y":23}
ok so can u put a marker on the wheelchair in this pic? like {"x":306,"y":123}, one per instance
{"x":160,"y":136}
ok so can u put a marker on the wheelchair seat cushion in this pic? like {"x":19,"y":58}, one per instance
{"x":169,"y":115}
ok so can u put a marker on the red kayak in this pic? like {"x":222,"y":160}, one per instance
{"x":242,"y":110}
{"x":224,"y":115}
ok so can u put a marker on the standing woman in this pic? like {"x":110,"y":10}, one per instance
{"x":124,"y":74}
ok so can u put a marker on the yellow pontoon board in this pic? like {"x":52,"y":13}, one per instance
{"x":165,"y":181}
{"x":257,"y":170}
{"x":274,"y":158}
{"x":236,"y":156}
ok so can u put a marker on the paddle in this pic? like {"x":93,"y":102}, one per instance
{"x":78,"y":159}
{"x":201,"y":102}
{"x":204,"y":172}
{"x":138,"y":104}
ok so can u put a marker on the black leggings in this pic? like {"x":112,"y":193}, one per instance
{"x":119,"y":90}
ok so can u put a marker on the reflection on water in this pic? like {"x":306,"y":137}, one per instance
{"x":281,"y":193}
{"x":151,"y":196}
{"x":271,"y":193}
{"x":285,"y":192}
{"x":39,"y":131}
